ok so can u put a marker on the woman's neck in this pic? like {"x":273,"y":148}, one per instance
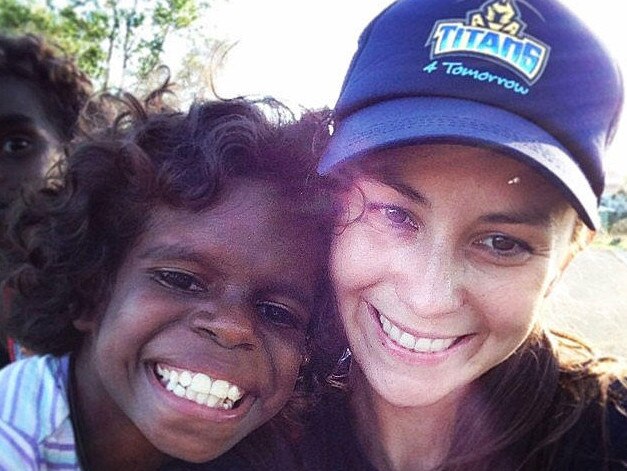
{"x":400,"y":438}
{"x":110,"y":440}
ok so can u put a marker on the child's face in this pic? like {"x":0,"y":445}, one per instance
{"x":28,"y":139}
{"x":220,"y":300}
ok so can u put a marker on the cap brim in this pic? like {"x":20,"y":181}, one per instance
{"x":409,"y":121}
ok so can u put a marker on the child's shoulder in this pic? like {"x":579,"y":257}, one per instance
{"x":34,"y":398}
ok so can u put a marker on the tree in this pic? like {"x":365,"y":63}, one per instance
{"x":78,"y":35}
{"x":104,"y":35}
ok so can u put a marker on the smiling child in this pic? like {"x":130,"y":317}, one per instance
{"x":172,"y":276}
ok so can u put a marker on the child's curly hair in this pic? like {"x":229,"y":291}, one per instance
{"x":75,"y":233}
{"x":65,"y":88}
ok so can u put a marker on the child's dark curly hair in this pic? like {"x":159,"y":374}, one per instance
{"x":65,"y":89}
{"x":76,"y":232}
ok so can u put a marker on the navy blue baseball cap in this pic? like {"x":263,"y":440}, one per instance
{"x":526,"y":77}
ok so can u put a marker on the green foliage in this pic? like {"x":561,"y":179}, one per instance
{"x":103,"y":33}
{"x":168,"y":16}
{"x":78,"y":35}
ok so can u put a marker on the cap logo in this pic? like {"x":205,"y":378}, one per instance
{"x":494,"y":32}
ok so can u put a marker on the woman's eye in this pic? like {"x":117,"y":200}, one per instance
{"x":278,"y":314}
{"x":179,"y":280}
{"x":14,"y":145}
{"x":395,"y":215}
{"x":505,"y":246}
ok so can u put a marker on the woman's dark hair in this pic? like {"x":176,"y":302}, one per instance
{"x":76,"y":232}
{"x":63,"y":87}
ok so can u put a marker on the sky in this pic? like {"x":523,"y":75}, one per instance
{"x":299,"y":50}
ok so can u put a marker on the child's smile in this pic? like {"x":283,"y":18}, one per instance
{"x":202,"y":337}
{"x":199,"y":387}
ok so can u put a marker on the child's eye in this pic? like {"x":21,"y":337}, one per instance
{"x":393,"y":215}
{"x":15,"y":144}
{"x":278,"y":314}
{"x":504,"y":246}
{"x":179,"y":280}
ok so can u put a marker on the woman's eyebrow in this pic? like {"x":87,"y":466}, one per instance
{"x":532,"y":218}
{"x":409,"y":192}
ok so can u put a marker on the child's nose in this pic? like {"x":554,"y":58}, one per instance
{"x":231,"y":326}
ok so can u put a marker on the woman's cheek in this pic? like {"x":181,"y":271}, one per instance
{"x":354,"y":257}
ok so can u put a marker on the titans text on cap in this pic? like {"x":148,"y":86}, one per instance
{"x":493,"y":32}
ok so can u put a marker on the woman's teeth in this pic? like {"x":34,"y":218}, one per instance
{"x":408,"y":341}
{"x":199,"y":388}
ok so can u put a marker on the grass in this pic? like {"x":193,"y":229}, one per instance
{"x":611,"y":241}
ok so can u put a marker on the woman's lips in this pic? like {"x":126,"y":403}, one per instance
{"x":430,"y":344}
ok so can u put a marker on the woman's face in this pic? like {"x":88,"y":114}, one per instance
{"x":441,"y":274}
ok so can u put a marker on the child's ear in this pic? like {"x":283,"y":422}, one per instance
{"x":84,"y":323}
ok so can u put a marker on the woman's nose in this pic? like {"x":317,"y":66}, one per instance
{"x":431,"y":282}
{"x":229,"y":325}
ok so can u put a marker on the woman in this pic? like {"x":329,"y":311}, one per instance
{"x":468,"y":149}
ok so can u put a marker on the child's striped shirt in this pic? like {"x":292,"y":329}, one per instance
{"x":35,"y":428}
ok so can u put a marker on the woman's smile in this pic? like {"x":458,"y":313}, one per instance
{"x":417,"y":346}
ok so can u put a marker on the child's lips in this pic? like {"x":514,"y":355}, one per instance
{"x":199,"y":387}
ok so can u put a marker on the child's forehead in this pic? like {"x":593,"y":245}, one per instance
{"x":257,"y":215}
{"x":241,"y":202}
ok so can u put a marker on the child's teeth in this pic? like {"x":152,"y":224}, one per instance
{"x":234,"y":394}
{"x":190,"y":394}
{"x":174,"y":377}
{"x":185,"y":379}
{"x":199,"y":387}
{"x":212,"y":400}
{"x":201,"y":383}
{"x":220,"y":388}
